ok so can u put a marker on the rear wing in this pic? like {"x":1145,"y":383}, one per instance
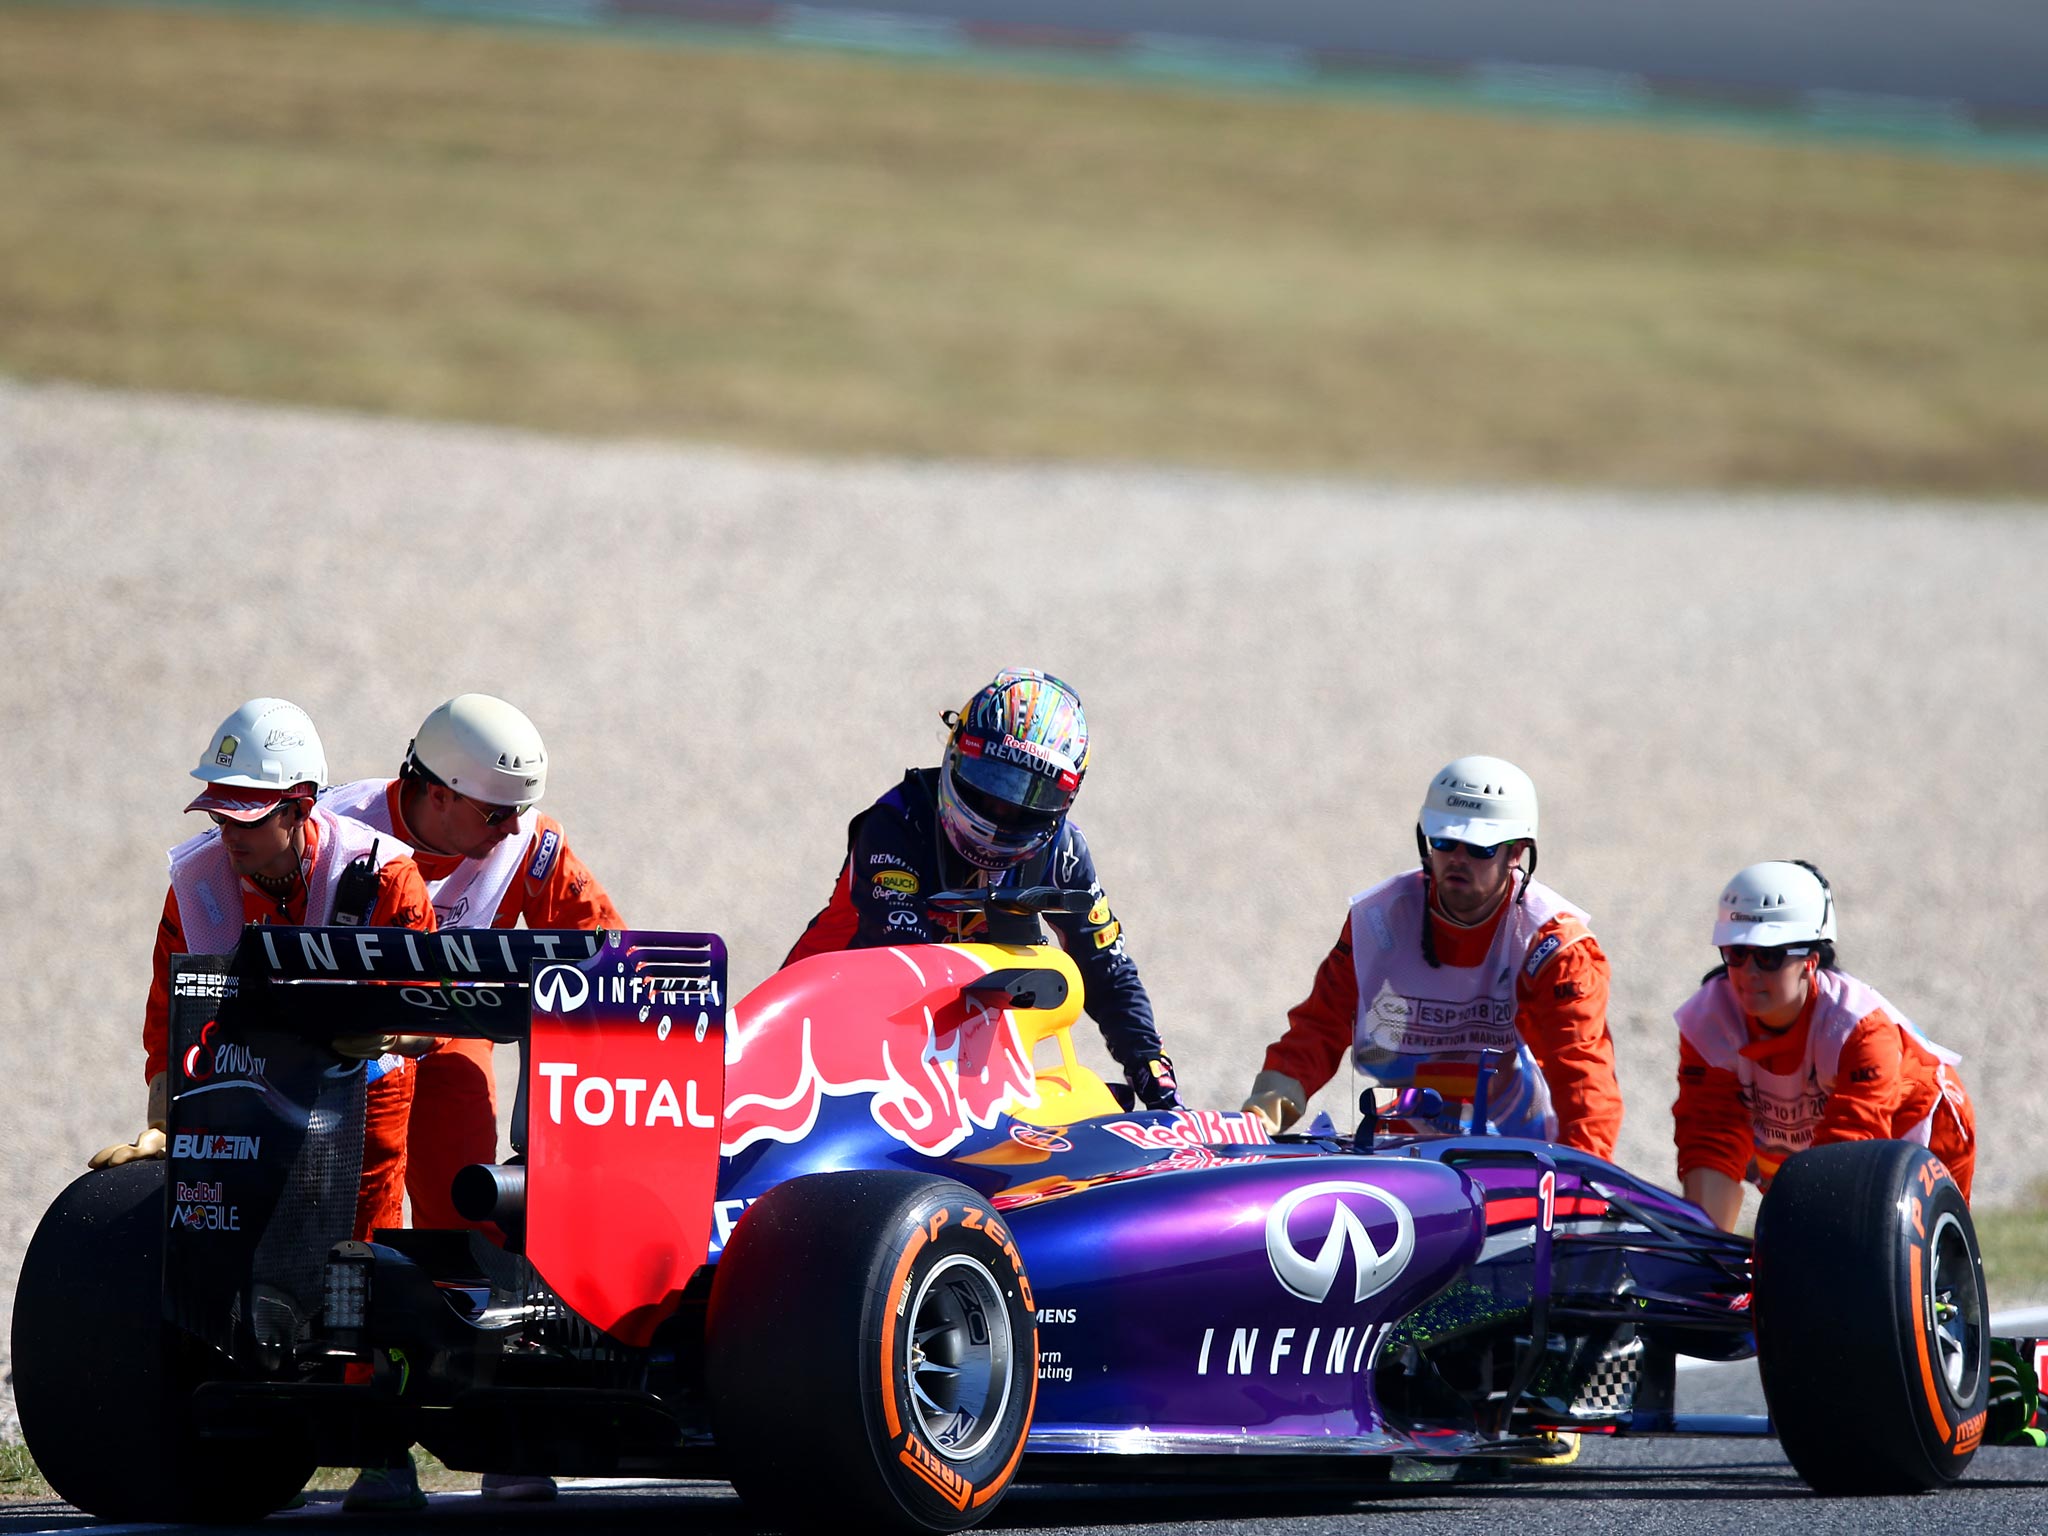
{"x":476,"y":983}
{"x":622,"y":1043}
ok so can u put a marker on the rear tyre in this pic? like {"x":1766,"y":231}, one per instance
{"x":871,"y":1354}
{"x":102,"y":1385}
{"x":1871,"y":1322}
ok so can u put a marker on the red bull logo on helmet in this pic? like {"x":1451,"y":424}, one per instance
{"x":1023,"y":754}
{"x":889,"y":1024}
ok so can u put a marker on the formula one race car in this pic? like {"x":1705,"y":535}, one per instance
{"x":875,"y":1240}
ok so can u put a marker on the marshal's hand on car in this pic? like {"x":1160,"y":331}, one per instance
{"x":151,"y":1142}
{"x":1277,"y":1099}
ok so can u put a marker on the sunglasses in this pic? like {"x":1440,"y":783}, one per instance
{"x":1767,"y":960}
{"x":493,"y":814}
{"x":1471,"y":850}
{"x":232,"y":821}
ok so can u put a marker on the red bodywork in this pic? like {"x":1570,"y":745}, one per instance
{"x":626,"y":1076}
{"x":883,"y":1022}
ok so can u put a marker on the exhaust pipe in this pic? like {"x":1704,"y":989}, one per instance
{"x":494,"y":1192}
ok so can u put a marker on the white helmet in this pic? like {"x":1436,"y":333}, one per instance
{"x":1767,"y":905}
{"x":1480,"y":800}
{"x":262,"y":750}
{"x":266,"y":744}
{"x":484,"y":748}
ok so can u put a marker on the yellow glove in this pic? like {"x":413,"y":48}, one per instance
{"x":151,"y":1142}
{"x":1276,"y":1099}
{"x":370,"y":1047}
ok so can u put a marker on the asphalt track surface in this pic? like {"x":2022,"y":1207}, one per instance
{"x":1989,"y":54}
{"x":1673,"y":1487}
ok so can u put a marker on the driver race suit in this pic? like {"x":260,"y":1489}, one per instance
{"x":1851,"y":1067}
{"x":204,"y":913}
{"x":1526,"y":987}
{"x":897,"y":854}
{"x":531,"y":874}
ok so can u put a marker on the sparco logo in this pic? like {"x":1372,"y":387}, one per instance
{"x":1311,"y":1279}
{"x":561,"y":988}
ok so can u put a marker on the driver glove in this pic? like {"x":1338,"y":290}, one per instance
{"x":1152,"y":1082}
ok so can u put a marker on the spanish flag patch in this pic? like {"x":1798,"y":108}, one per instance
{"x":1453,"y":1079}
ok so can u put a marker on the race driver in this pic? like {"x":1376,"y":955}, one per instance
{"x":995,"y":813}
{"x":464,"y":799}
{"x":274,"y":856}
{"x":1779,"y":1051}
{"x":1466,"y":959}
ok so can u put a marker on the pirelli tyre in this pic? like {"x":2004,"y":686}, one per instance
{"x":100,"y":1382}
{"x":1871,"y":1326}
{"x":871,"y":1354}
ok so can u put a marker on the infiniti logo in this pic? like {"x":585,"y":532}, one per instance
{"x":560,"y":988}
{"x":1311,"y":1279}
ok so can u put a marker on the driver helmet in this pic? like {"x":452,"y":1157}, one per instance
{"x":259,"y":755}
{"x":1013,"y":765}
{"x":1771,"y":904}
{"x":481,"y":747}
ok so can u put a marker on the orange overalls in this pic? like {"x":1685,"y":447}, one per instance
{"x":455,"y":1105}
{"x":401,"y":903}
{"x":1886,"y":1084}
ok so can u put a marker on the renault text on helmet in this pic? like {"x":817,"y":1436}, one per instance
{"x":1779,"y":902}
{"x":1018,"y":752}
{"x":481,"y":747}
{"x":1480,"y":800}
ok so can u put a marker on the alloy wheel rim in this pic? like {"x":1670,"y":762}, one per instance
{"x":1954,"y":1313}
{"x":959,"y":1356}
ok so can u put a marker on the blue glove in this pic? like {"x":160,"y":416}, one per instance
{"x":1152,"y":1082}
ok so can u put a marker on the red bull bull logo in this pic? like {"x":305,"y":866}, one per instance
{"x":888,"y":1023}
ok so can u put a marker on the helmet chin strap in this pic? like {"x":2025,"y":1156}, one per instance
{"x":1527,"y":872}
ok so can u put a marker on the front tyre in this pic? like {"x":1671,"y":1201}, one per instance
{"x":871,"y":1354}
{"x":1871,"y":1322}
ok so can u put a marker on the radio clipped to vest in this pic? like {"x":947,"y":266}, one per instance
{"x":355,"y":893}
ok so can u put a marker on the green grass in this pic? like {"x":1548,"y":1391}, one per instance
{"x":2015,"y":1244}
{"x":19,"y":1479}
{"x":817,"y":252}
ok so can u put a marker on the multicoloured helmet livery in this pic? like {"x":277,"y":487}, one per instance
{"x":1013,"y":767}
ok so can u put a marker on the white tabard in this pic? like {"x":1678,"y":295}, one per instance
{"x":210,"y":892}
{"x":1410,"y":1012}
{"x":469,"y":896}
{"x":1785,"y":1107}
